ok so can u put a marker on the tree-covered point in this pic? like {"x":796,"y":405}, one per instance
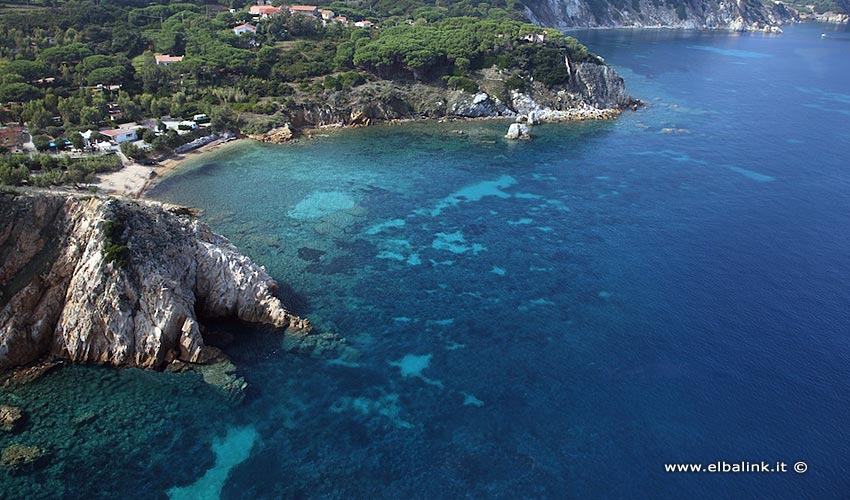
{"x":430,"y":10}
{"x":458,"y":45}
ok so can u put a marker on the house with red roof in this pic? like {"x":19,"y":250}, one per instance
{"x":307,"y":10}
{"x":263,"y":10}
{"x":165,"y":60}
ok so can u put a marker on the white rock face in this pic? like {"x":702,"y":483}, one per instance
{"x":578,"y":110}
{"x":476,"y":106}
{"x":61,"y":295}
{"x":517,"y":131}
{"x":705,"y":14}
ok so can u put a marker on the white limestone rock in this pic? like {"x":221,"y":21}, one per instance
{"x":61,"y":296}
{"x":517,"y":131}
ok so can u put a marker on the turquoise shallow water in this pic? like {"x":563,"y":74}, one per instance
{"x":547,"y":319}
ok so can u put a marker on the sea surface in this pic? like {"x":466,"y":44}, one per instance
{"x":557,"y":318}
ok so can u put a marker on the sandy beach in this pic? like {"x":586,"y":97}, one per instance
{"x":135,"y":180}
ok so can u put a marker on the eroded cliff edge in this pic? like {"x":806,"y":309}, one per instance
{"x":738,"y":15}
{"x":113,"y":281}
{"x":592,"y":90}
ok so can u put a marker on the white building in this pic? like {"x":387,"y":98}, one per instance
{"x":244,"y":28}
{"x":120,"y":135}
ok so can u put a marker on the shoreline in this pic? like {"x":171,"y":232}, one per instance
{"x":174,"y":161}
{"x":135,"y":180}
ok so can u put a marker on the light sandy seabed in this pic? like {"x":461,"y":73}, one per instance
{"x":134,"y":180}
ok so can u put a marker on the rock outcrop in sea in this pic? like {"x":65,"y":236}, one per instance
{"x":104,"y":280}
{"x":740,"y":15}
{"x":517,"y":131}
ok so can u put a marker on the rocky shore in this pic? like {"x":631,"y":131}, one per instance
{"x":708,"y":14}
{"x":110,"y":281}
{"x":595,"y":92}
{"x":828,"y":17}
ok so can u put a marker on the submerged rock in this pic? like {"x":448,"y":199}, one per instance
{"x":10,"y":417}
{"x":25,"y":374}
{"x":517,"y":131}
{"x":18,"y":457}
{"x":218,"y":372}
{"x":101,"y":280}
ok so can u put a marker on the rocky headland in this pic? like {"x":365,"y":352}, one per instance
{"x":111,"y":281}
{"x":595,"y":91}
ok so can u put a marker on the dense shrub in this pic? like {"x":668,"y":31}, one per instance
{"x":462,"y":83}
{"x":115,"y":248}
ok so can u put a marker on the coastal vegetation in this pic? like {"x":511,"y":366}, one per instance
{"x":44,"y":170}
{"x":115,"y":247}
{"x":822,"y":6}
{"x":68,"y":67}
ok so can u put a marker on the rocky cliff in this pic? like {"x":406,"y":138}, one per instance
{"x":104,"y":280}
{"x":593,"y":91}
{"x":739,"y":15}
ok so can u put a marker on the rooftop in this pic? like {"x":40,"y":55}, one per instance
{"x":168,"y":59}
{"x":116,"y":132}
{"x":263,"y":9}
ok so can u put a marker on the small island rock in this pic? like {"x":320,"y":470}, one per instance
{"x":517,"y":131}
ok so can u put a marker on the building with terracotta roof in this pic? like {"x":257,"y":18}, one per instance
{"x":165,"y":60}
{"x":307,"y":10}
{"x":263,"y":10}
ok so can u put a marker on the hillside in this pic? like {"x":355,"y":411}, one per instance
{"x":744,"y":15}
{"x":78,"y":66}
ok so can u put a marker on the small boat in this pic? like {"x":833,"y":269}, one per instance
{"x":823,"y":35}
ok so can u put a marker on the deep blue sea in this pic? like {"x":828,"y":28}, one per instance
{"x":556,"y":318}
